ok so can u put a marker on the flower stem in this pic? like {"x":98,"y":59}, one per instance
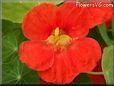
{"x":95,"y":73}
{"x":103,"y":32}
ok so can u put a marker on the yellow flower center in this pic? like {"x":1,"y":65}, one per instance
{"x":58,"y":38}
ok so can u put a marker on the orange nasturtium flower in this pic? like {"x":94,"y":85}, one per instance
{"x":57,"y":45}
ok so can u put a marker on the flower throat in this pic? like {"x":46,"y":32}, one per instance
{"x":58,"y":38}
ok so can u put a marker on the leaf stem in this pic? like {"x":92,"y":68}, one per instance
{"x":95,"y":73}
{"x":103,"y":32}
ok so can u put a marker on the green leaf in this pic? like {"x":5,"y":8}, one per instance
{"x":102,"y":30}
{"x":14,"y":72}
{"x":12,"y":37}
{"x":34,"y":1}
{"x":56,"y":2}
{"x":15,"y":11}
{"x":9,"y":26}
{"x":108,"y":64}
{"x":18,"y":73}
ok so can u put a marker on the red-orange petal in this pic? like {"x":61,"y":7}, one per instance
{"x":76,"y":20}
{"x":68,"y":17}
{"x":81,"y":56}
{"x":36,"y":55}
{"x":39,"y":22}
{"x":84,"y":54}
{"x":98,"y":15}
{"x":61,"y":72}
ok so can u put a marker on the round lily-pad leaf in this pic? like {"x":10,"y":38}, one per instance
{"x":13,"y":71}
{"x":18,"y":73}
{"x":15,"y":10}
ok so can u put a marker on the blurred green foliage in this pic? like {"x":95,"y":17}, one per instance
{"x":15,"y":11}
{"x":14,"y":72}
{"x":108,"y":64}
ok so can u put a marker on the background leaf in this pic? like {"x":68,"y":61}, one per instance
{"x":56,"y":2}
{"x":35,"y":1}
{"x":15,"y":11}
{"x":12,"y":36}
{"x":103,"y":32}
{"x":108,"y":64}
{"x":14,"y":72}
{"x":18,"y":73}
